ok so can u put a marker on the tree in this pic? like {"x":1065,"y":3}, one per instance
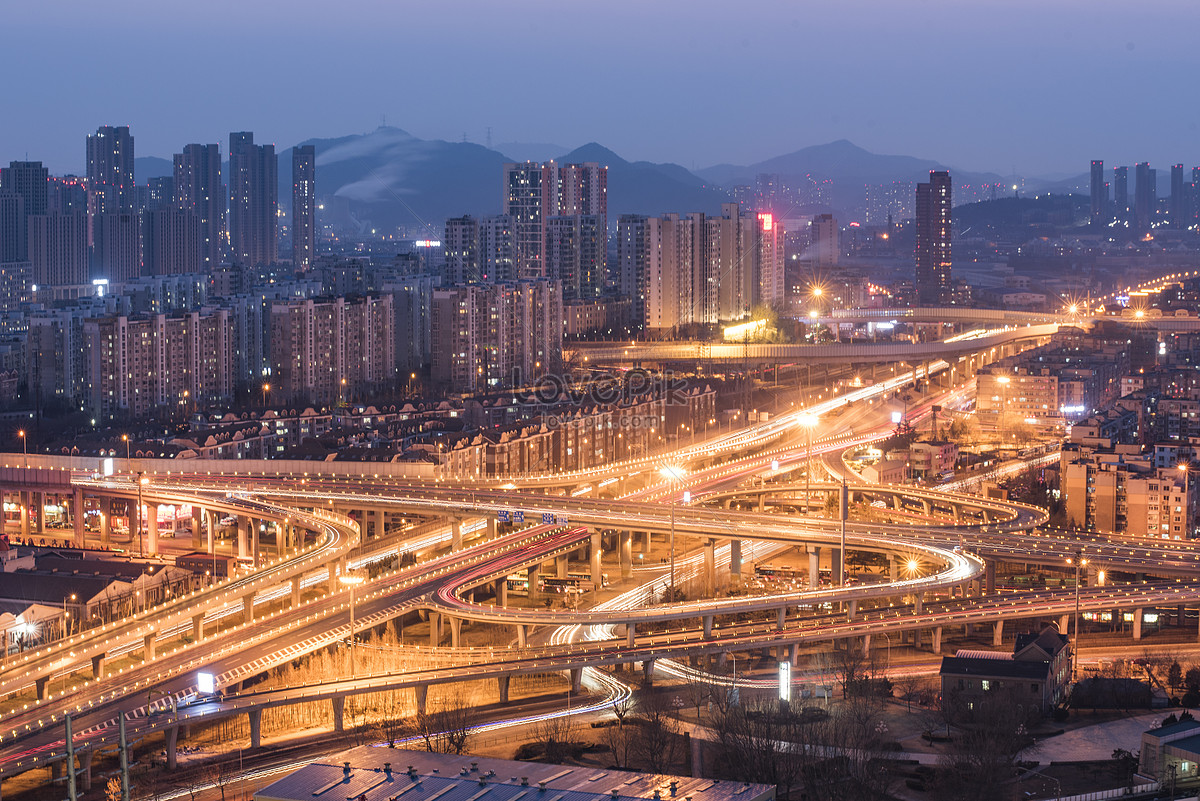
{"x":994,"y":729}
{"x":1174,"y":675}
{"x":656,"y":739}
{"x":555,"y":733}
{"x":448,"y":729}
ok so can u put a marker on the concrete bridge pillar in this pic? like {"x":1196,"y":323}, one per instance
{"x":708,"y":624}
{"x":710,"y":566}
{"x":998,"y":634}
{"x":780,"y":617}
{"x":25,"y":502}
{"x":630,"y":633}
{"x":422,"y":697}
{"x":295,"y":591}
{"x":502,"y":684}
{"x":794,"y":653}
{"x":576,"y":680}
{"x":735,"y":562}
{"x":989,"y":574}
{"x":919,"y":603}
{"x":835,"y":562}
{"x":456,"y":535}
{"x":98,"y":666}
{"x":937,"y":640}
{"x":956,"y":511}
{"x":492,"y":523}
{"x":851,"y":609}
{"x":248,"y":608}
{"x":866,"y":645}
{"x":243,"y":533}
{"x":197,"y":515}
{"x":626,"y":554}
{"x":501,"y":591}
{"x":380,"y":523}
{"x":648,"y":671}
{"x":211,"y":540}
{"x":455,"y":632}
{"x":893,"y":569}
{"x":1064,"y":622}
{"x":435,"y":629}
{"x":560,"y":566}
{"x":85,"y":770}
{"x":332,"y":567}
{"x":595,"y":552}
{"x":339,"y":712}
{"x":198,"y":627}
{"x":522,"y":635}
{"x":814,"y":566}
{"x":255,"y":532}
{"x":1137,"y":624}
{"x":152,"y":529}
{"x":106,"y":509}
{"x":148,"y":646}
{"x":762,"y":501}
{"x":926,"y":507}
{"x":255,"y":728}
{"x":533,"y":575}
{"x":77,"y":517}
{"x":42,"y":686}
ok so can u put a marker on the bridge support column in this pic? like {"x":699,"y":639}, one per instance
{"x":630,"y":633}
{"x":560,"y":566}
{"x":339,"y":712}
{"x":148,"y":652}
{"x":648,"y":672}
{"x":380,"y":523}
{"x":41,"y":685}
{"x":576,"y":680}
{"x":1137,"y":624}
{"x":172,"y":738}
{"x":243,"y":547}
{"x":211,"y":540}
{"x":492,"y":524}
{"x":835,"y":561}
{"x":814,"y":566}
{"x":989,"y":577}
{"x":456,"y":535}
{"x":762,"y":501}
{"x":780,"y":617}
{"x":255,"y":533}
{"x":197,"y":514}
{"x":937,"y":640}
{"x":710,"y":566}
{"x":198,"y":627}
{"x":85,"y":770}
{"x":866,"y":645}
{"x":76,"y":516}
{"x":295,"y":591}
{"x":851,"y":609}
{"x":422,"y":697}
{"x":152,"y":529}
{"x":25,"y":501}
{"x":522,"y":635}
{"x":435,"y":628}
{"x":332,"y":567}
{"x":794,"y":653}
{"x":626,"y":554}
{"x":98,"y":666}
{"x":501,"y":591}
{"x":708,"y":623}
{"x":455,"y":631}
{"x":502,"y":684}
{"x":998,"y":634}
{"x":735,"y":562}
{"x":595,"y":552}
{"x":106,"y":507}
{"x":256,"y":728}
{"x":1064,"y":622}
{"x":248,"y":608}
{"x":893,"y":569}
{"x":534,"y":576}
{"x":919,"y":603}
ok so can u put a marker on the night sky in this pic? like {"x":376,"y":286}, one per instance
{"x":1039,"y":86}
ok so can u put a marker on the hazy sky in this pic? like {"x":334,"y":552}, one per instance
{"x":1037,"y":85}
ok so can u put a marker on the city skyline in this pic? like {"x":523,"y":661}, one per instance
{"x":855,"y":81}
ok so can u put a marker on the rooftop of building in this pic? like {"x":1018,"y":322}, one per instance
{"x":377,"y":774}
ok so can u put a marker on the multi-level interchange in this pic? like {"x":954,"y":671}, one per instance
{"x":708,"y":504}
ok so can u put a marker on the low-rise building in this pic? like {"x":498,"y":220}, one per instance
{"x":1171,"y":752}
{"x":1038,"y":669}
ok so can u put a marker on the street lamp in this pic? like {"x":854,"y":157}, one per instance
{"x":24,"y":447}
{"x":125,"y":439}
{"x":1079,"y":562}
{"x":266,"y":388}
{"x":352,"y":580}
{"x":142,"y":480}
{"x":813,"y":328}
{"x":1184,"y":468}
{"x":1003,"y":381}
{"x":808,"y":421}
{"x":673,"y":474}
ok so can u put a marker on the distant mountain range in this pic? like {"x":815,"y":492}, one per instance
{"x":390,"y":178}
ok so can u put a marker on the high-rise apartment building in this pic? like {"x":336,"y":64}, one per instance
{"x":110,"y":181}
{"x":253,"y":201}
{"x":932,"y":280}
{"x":1179,"y":198}
{"x":329,"y":350}
{"x":772,"y":287}
{"x":1121,"y":193}
{"x":159,"y":363}
{"x":13,"y":228}
{"x":117,"y":246}
{"x":826,"y":244}
{"x":490,"y":336}
{"x":1099,"y":194}
{"x":160,"y":193}
{"x":534,"y":192}
{"x":30,"y":180}
{"x":67,"y":194}
{"x":460,"y":245}
{"x":198,"y":189}
{"x":574,"y":254}
{"x":304,"y":207}
{"x":632,"y":258}
{"x":58,"y":249}
{"x":497,"y":249}
{"x":1145,"y":196}
{"x":172,"y":243}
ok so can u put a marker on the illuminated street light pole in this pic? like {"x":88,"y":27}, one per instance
{"x":24,"y":446}
{"x":1079,"y":563}
{"x":808,"y":421}
{"x":141,"y":480}
{"x":673,"y":474}
{"x":1184,"y":468}
{"x":351,"y":580}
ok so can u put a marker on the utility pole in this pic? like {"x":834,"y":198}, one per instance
{"x":124,"y":758}
{"x":71,"y":793}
